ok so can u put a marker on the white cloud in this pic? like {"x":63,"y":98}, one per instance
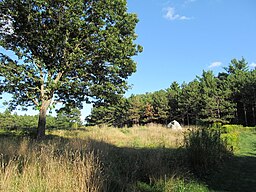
{"x":215,"y":64}
{"x":184,"y":18}
{"x":253,"y":65}
{"x":171,"y":15}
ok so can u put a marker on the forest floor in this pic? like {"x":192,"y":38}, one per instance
{"x":239,"y":173}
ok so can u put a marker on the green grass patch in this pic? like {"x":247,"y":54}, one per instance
{"x":172,"y":185}
{"x":247,"y":144}
{"x":239,"y":172}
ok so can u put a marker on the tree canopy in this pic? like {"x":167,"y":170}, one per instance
{"x":66,"y":51}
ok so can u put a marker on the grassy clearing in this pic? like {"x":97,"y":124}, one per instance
{"x":139,"y":159}
{"x":95,"y":159}
{"x":151,"y":136}
{"x":247,"y":144}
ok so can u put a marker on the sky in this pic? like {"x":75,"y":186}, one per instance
{"x":181,"y":38}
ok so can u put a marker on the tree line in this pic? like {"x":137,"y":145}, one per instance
{"x":63,"y":120}
{"x":229,"y":97}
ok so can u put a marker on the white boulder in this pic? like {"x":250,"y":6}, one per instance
{"x":174,"y":125}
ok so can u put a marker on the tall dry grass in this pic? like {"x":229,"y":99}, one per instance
{"x":150,"y":136}
{"x":26,"y":166}
{"x":93,"y":159}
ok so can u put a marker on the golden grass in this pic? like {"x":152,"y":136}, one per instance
{"x":32,"y":167}
{"x":150,"y":136}
{"x":92,"y":159}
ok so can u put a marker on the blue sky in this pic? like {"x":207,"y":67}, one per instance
{"x":181,"y":38}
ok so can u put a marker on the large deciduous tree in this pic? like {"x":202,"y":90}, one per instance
{"x":65,"y":51}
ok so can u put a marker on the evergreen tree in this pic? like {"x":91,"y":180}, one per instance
{"x":190,"y":102}
{"x":69,"y":119}
{"x":237,"y":76}
{"x":135,"y":109}
{"x":173,"y":99}
{"x":215,"y":99}
{"x":160,"y":106}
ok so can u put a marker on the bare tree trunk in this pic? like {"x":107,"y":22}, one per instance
{"x":253,"y":115}
{"x":42,"y":119}
{"x":253,"y":107}
{"x":245,"y":115}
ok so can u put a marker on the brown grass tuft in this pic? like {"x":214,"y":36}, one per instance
{"x":44,"y":168}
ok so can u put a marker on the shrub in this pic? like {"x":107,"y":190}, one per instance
{"x":230,"y":128}
{"x":230,"y":135}
{"x":231,"y":140}
{"x":205,"y":150}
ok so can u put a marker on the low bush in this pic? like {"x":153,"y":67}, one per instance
{"x":231,"y":140}
{"x":230,"y":135}
{"x":230,"y":128}
{"x":205,"y":150}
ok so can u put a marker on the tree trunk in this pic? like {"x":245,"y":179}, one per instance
{"x":245,"y":115}
{"x":188,"y":119}
{"x":253,"y":115}
{"x":253,"y":107}
{"x":42,"y":119}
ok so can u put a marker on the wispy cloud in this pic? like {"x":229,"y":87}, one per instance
{"x":215,"y":64}
{"x":253,"y":65}
{"x":170,"y":14}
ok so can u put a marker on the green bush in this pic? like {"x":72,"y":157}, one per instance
{"x":231,"y":140}
{"x":230,"y":128}
{"x":230,"y":135}
{"x":144,"y":187}
{"x":216,"y":125}
{"x":205,"y":150}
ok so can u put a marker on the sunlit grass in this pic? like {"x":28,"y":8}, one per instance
{"x":51,"y":166}
{"x":151,"y":136}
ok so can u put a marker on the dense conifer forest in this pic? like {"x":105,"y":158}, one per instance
{"x":229,"y":97}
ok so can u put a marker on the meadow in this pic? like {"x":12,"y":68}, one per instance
{"x":141,"y":159}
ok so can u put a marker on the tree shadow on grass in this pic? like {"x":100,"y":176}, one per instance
{"x":238,"y":174}
{"x":123,"y":167}
{"x":126,"y":166}
{"x":18,"y":133}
